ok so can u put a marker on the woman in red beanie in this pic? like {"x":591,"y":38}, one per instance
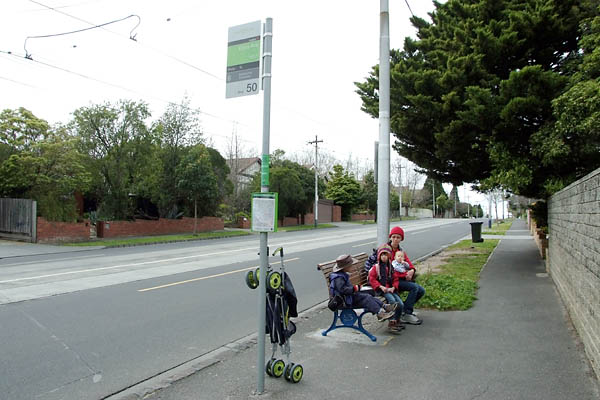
{"x":405,"y":282}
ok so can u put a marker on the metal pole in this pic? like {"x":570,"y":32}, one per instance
{"x":400,"y":191}
{"x":433,"y":196}
{"x":383,"y":185}
{"x":264,"y":187}
{"x":316,"y":207}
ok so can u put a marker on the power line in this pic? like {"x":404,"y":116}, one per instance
{"x":114,"y":85}
{"x":131,"y":36}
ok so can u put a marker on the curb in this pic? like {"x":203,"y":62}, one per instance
{"x":165,"y":379}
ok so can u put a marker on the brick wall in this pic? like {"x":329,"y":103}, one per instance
{"x":362,"y":217}
{"x":574,"y":257}
{"x":337,"y":214}
{"x":48,"y":231}
{"x":162,"y":226}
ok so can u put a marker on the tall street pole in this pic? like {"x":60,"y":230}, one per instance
{"x":316,"y":207}
{"x":383,"y":183}
{"x":264,"y":187}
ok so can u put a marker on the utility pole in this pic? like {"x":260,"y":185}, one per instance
{"x":316,"y":207}
{"x":433,"y":196}
{"x":383,"y":183}
{"x":400,"y":188}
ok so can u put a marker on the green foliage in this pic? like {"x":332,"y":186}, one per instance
{"x":43,"y":164}
{"x":344,"y":190}
{"x":472,"y":98}
{"x":539,"y":212}
{"x":119,"y":146}
{"x":368,"y":196}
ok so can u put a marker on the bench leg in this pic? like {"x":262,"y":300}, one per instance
{"x":348,"y":318}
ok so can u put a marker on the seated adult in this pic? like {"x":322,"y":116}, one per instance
{"x":405,"y":281}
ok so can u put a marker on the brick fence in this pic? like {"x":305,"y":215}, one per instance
{"x":163,"y":226}
{"x":80,"y":231}
{"x":574,"y":257}
{"x":48,"y":231}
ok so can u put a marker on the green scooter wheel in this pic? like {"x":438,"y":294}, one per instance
{"x":278,"y":368}
{"x":274,"y":280}
{"x":250,"y":280}
{"x":297,"y":373}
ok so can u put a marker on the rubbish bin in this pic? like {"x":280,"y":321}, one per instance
{"x":476,"y":232}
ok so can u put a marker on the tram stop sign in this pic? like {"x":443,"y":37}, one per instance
{"x":243,"y":60}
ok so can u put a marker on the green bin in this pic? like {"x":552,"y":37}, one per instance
{"x":476,"y":232}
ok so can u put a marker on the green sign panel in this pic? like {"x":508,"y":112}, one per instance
{"x":243,"y":60}
{"x":264,"y":170}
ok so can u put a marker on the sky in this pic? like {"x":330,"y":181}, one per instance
{"x":320,"y":48}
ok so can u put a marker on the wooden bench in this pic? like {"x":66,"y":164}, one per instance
{"x":347,"y":316}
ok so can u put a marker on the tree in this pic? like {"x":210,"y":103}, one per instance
{"x":368,"y":196}
{"x":176,"y":130}
{"x":344,"y":190}
{"x":470,"y":96}
{"x":119,"y":148}
{"x":197,"y":183}
{"x":43,"y":164}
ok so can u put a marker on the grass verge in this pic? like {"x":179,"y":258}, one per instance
{"x":304,"y":227}
{"x":454,"y":287}
{"x":498,"y":229}
{"x":159,"y":239}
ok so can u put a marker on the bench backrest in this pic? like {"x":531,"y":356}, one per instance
{"x":358,"y":275}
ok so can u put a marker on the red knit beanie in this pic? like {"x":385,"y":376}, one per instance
{"x":397,"y":231}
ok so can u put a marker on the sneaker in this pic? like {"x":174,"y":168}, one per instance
{"x":384,"y":315}
{"x":415,"y":313}
{"x":410,"y":319}
{"x":390,"y":307}
{"x":395,"y":326}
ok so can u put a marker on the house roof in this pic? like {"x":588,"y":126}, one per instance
{"x":242,"y":163}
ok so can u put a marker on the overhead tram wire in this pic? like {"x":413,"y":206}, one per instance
{"x":131,"y":36}
{"x":143,"y":45}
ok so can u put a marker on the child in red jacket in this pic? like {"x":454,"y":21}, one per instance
{"x":381,"y":280}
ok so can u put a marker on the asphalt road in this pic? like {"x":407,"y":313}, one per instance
{"x":85,"y":326}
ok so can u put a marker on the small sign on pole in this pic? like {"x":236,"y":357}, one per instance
{"x":264,"y":212}
{"x":243,"y":60}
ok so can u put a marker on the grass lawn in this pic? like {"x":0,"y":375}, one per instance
{"x":454,"y":284}
{"x":499,"y":228}
{"x":304,"y":227}
{"x":159,"y":239}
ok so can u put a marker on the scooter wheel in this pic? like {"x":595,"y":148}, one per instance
{"x":297,"y":373}
{"x":250,"y":280}
{"x":257,"y":275}
{"x":269,"y":367}
{"x":274,"y":280}
{"x":287,"y":372}
{"x":278,"y":368}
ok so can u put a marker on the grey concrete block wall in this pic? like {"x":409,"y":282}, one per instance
{"x":574,"y":257}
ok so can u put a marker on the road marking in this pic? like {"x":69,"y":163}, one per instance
{"x":364,"y":244}
{"x":208,"y":277}
{"x":48,"y":260}
{"x":123,"y":265}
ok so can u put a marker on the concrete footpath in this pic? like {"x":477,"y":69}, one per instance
{"x":515,"y":343}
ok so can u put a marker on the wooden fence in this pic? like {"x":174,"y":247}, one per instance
{"x":18,"y":219}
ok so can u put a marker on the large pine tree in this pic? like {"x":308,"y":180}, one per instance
{"x":470,"y":94}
